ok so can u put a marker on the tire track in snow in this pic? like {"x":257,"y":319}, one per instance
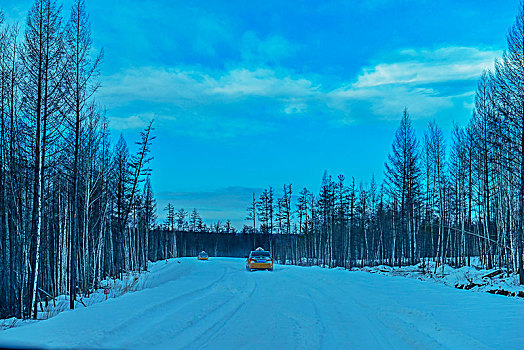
{"x":330,"y":311}
{"x":211,"y":332}
{"x":416,"y":328}
{"x":306,"y":327}
{"x":394,"y":325}
{"x":318,"y":317}
{"x":191,"y":331}
{"x":162,"y":329}
{"x":137,"y":318}
{"x":420,"y":329}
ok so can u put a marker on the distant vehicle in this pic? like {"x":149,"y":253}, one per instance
{"x":259,"y":259}
{"x":203,"y":256}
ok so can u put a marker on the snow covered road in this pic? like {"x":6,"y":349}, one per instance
{"x":219,"y":305}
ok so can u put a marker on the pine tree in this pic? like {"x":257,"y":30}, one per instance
{"x":181,"y":215}
{"x":402,"y":178}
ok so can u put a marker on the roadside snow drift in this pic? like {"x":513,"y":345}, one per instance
{"x":217,"y":304}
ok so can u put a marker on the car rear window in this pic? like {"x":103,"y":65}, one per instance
{"x":260,"y":254}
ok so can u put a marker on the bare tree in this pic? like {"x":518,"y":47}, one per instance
{"x":402,"y":176}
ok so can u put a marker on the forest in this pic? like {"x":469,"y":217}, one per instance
{"x":75,"y":208}
{"x":443,"y":198}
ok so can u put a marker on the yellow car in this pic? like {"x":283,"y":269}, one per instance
{"x":259,"y":259}
{"x":203,"y":256}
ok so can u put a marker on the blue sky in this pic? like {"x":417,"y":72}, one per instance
{"x":247,"y":94}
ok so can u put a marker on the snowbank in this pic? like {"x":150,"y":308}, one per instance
{"x":495,"y":281}
{"x":132,"y":281}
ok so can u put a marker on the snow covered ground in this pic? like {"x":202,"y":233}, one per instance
{"x":474,"y":278}
{"x":130,"y":282}
{"x":218,"y":305}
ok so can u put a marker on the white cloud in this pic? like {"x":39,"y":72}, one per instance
{"x":187,"y":88}
{"x":413,"y":80}
{"x":426,"y":66}
{"x":425,"y":81}
{"x":262,"y":83}
{"x":295,"y":106}
{"x":154,"y":84}
{"x":132,"y":122}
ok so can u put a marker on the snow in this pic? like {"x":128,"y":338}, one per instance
{"x":130,"y":282}
{"x":472,"y":277}
{"x":217,"y":304}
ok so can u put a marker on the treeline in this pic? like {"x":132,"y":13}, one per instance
{"x":441,"y":202}
{"x":166,"y":244}
{"x":182,"y":221}
{"x":73,"y":208}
